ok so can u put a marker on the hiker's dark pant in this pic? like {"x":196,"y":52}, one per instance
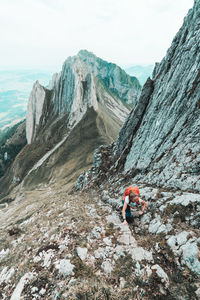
{"x":128,"y":211}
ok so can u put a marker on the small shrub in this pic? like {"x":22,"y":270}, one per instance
{"x":124,"y":267}
{"x":14,"y":231}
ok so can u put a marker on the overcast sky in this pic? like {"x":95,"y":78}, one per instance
{"x":38,"y":33}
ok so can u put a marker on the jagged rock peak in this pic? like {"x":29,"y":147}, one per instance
{"x":125,"y":86}
{"x":85,"y":54}
{"x":85,"y":81}
{"x":114,"y":76}
{"x":34,"y":110}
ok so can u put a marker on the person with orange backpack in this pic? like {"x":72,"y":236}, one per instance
{"x":130,"y":200}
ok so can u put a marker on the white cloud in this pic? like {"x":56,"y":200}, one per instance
{"x":46,"y":32}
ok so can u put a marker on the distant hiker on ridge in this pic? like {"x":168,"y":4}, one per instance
{"x":130,"y":200}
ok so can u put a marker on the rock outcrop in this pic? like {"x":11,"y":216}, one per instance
{"x":34,"y":110}
{"x":159,"y":142}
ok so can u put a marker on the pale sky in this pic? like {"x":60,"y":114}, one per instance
{"x":38,"y":33}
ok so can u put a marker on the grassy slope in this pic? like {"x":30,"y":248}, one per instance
{"x":76,"y":154}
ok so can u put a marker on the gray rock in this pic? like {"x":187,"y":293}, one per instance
{"x":186,"y":199}
{"x":64,"y":267}
{"x":190,"y":256}
{"x":186,"y":249}
{"x":139,"y":254}
{"x":6,"y":274}
{"x":164,"y":229}
{"x":172,"y":242}
{"x":161,"y":273}
{"x":122,"y":282}
{"x":127,"y":87}
{"x":198,"y":242}
{"x":107,"y":267}
{"x":34,"y":110}
{"x":105,"y":196}
{"x":107,"y":241}
{"x":74,"y":89}
{"x":119,"y":252}
{"x":82,"y":252}
{"x":96,"y":232}
{"x":154,"y":225}
{"x":99,"y":253}
{"x":181,"y":238}
{"x":145,"y":219}
{"x":197,"y":292}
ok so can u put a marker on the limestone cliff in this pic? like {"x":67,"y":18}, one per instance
{"x":88,"y":91}
{"x":34,"y":110}
{"x":159,"y":142}
{"x":81,"y":84}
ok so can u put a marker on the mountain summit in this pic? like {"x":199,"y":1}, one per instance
{"x":86,"y":104}
{"x":85,"y":81}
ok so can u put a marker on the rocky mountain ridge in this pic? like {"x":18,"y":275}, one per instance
{"x":159,"y":141}
{"x":75,"y":88}
{"x":86,"y":88}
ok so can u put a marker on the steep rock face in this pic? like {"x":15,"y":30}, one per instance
{"x":81,"y":84}
{"x":76,"y":86}
{"x":79,"y":94}
{"x":166,"y":144}
{"x":127,"y":87}
{"x":34,"y":110}
{"x":159,"y":142}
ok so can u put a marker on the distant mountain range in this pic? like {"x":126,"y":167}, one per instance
{"x":15,"y":88}
{"x":141,"y":72}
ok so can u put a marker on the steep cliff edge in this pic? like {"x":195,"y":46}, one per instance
{"x":159,"y":142}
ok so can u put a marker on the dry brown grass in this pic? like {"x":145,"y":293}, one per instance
{"x":94,"y":289}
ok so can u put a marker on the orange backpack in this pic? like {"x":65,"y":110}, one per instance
{"x":134,"y":189}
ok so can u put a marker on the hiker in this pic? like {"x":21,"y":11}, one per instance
{"x":130,"y":200}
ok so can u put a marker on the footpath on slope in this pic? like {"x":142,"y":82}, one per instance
{"x":59,"y":246}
